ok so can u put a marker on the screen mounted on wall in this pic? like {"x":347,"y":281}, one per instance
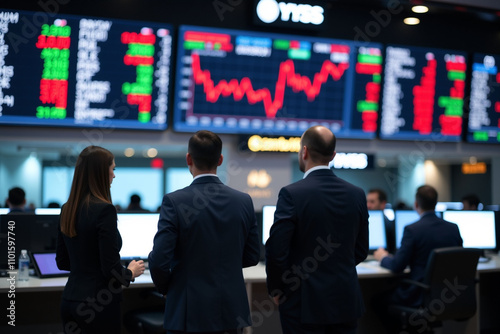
{"x":484,"y":111}
{"x":59,"y":70}
{"x":423,"y":94}
{"x":231,"y":81}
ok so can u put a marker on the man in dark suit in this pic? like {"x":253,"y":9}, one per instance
{"x":207,"y":232}
{"x":319,"y":235}
{"x":419,"y":239}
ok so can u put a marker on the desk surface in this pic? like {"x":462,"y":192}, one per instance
{"x":256,"y":274}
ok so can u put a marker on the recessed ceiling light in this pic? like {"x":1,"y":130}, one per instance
{"x":420,"y":9}
{"x":152,"y":152}
{"x":411,"y":21}
{"x":129,"y":152}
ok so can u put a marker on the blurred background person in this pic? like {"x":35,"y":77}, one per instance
{"x":16,"y":200}
{"x":135,"y":204}
{"x":470,"y":202}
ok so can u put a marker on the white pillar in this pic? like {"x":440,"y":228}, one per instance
{"x":411,"y":175}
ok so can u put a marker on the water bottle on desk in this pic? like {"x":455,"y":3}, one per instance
{"x":24,"y":266}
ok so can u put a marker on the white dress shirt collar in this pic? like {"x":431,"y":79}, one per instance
{"x":313,"y":169}
{"x":203,"y":175}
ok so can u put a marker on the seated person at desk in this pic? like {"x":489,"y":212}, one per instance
{"x":376,"y":199}
{"x":470,"y":202}
{"x":419,"y":239}
{"x":135,"y":204}
{"x":16,"y":200}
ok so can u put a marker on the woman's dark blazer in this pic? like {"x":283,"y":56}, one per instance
{"x":93,"y":256}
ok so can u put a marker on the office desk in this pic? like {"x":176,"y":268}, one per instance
{"x":256,"y":274}
{"x":37,"y":301}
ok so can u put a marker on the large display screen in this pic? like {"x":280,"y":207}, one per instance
{"x":137,"y":231}
{"x":477,"y":228}
{"x":423,"y":94}
{"x":59,"y":70}
{"x":484,"y":113}
{"x":232,"y":81}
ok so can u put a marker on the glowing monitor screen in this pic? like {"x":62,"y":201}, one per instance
{"x":267,"y":221}
{"x":376,"y":230}
{"x":47,"y":211}
{"x":477,"y":228}
{"x":137,"y":231}
{"x":443,"y":206}
{"x":404,"y":218}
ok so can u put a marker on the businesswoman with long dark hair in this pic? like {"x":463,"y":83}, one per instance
{"x":88,"y":246}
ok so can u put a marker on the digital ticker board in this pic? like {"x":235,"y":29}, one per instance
{"x":423,"y":94}
{"x":484,"y":111}
{"x":83,"y":72}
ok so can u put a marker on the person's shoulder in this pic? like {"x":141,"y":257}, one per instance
{"x":98,"y":206}
{"x":349,"y":187}
{"x":235,"y":192}
{"x":303,"y":183}
{"x":426,"y":220}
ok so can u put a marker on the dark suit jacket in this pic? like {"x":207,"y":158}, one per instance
{"x":419,"y":239}
{"x":207,"y":233}
{"x":93,"y":256}
{"x":319,"y":235}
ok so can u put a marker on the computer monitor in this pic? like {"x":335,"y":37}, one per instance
{"x":267,"y":221}
{"x":35,"y":233}
{"x":48,"y":211}
{"x":137,"y":231}
{"x":477,"y":228}
{"x":4,"y":211}
{"x":443,"y":206}
{"x":403,"y":218}
{"x":376,"y":230}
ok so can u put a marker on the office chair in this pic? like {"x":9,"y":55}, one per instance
{"x":449,"y":291}
{"x":147,"y":320}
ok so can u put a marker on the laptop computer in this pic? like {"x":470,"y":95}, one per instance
{"x":45,"y":265}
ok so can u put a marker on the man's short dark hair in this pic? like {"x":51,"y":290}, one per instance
{"x":319,"y":149}
{"x":426,"y":197}
{"x":135,"y":199}
{"x":382,"y":196}
{"x":205,"y":148}
{"x":17,"y":196}
{"x":472,"y":199}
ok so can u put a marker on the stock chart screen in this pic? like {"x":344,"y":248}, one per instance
{"x":58,"y":70}
{"x":423,"y":94}
{"x":484,"y":111}
{"x":231,"y":81}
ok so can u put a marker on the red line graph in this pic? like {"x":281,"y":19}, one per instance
{"x":286,"y":77}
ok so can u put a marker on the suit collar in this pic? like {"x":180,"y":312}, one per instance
{"x":320,"y":172}
{"x":207,"y":179}
{"x":428,"y":214}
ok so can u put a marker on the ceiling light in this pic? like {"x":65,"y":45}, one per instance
{"x":411,"y":21}
{"x":152,"y":152}
{"x":129,"y":152}
{"x":420,"y":9}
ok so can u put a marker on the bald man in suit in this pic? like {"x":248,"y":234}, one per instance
{"x":319,"y":235}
